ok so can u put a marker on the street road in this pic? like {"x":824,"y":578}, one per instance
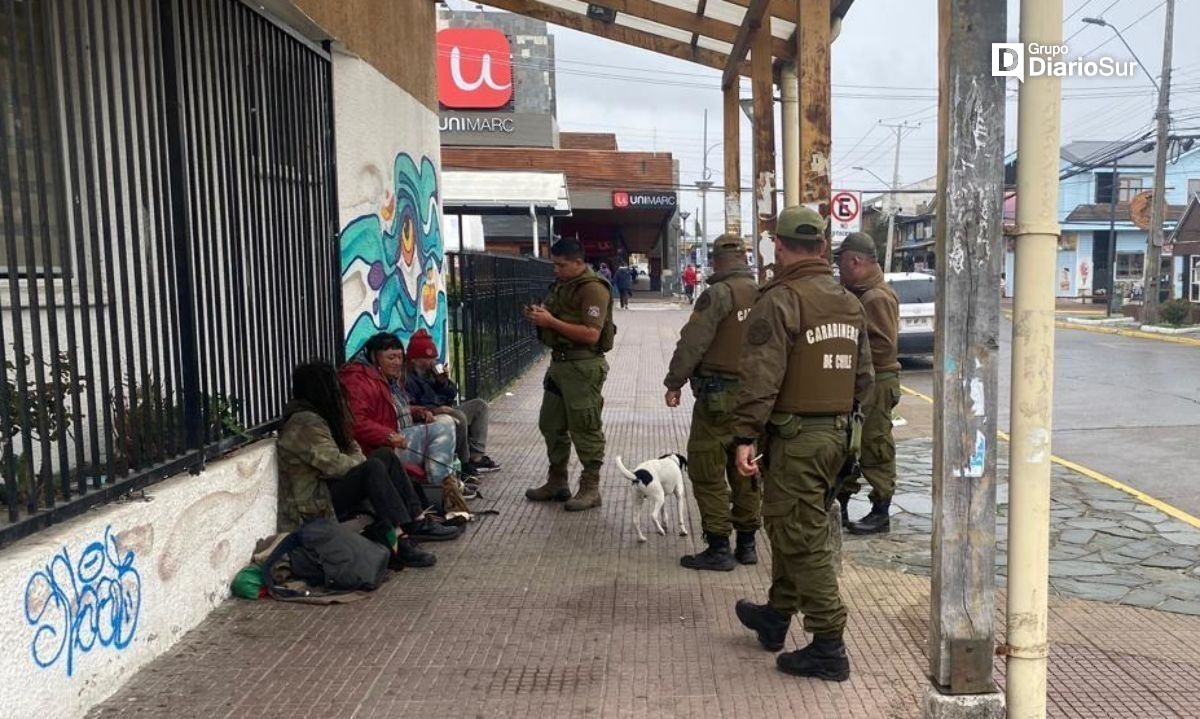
{"x":1125,"y":407}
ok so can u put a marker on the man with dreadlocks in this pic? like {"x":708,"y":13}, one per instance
{"x":323,"y":472}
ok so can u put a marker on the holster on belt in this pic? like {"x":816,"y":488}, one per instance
{"x":851,"y":467}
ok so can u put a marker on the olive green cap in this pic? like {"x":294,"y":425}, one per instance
{"x":800,"y":223}
{"x":859,"y":242}
{"x":728,"y":244}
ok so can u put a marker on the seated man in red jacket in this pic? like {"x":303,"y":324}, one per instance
{"x":383,"y":416}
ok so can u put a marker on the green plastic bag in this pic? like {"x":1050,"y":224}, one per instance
{"x":248,"y":583}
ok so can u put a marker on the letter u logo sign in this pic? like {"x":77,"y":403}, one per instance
{"x":474,"y":68}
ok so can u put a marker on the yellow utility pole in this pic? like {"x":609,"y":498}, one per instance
{"x":1039,"y":112}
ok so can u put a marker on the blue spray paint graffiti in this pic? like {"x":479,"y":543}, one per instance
{"x":77,"y":606}
{"x":392,"y":261}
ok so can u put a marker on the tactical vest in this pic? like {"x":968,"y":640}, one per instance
{"x":725,"y":351}
{"x":823,"y":362}
{"x":563,"y":302}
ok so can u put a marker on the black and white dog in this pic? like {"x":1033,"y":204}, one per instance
{"x":652,"y":481}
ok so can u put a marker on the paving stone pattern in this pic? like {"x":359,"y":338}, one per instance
{"x":541,"y":613}
{"x":1104,"y":544}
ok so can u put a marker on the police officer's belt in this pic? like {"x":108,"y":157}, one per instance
{"x":887,"y":375}
{"x":569,"y":355}
{"x":790,"y":424}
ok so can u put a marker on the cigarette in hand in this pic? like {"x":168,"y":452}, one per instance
{"x":754,"y":460}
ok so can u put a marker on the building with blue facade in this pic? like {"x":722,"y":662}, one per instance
{"x":1100,"y":245}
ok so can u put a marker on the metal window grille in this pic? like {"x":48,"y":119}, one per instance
{"x":167,"y":241}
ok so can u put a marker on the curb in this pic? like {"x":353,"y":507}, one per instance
{"x":1086,"y":326}
{"x":1138,"y":333}
{"x":1169,"y":510}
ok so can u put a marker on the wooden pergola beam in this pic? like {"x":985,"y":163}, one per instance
{"x":751,"y":22}
{"x":695,"y":22}
{"x":700,"y":7}
{"x":621,"y":34}
{"x":785,"y":9}
{"x":782,"y":9}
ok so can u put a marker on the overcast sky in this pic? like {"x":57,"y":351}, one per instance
{"x":884,"y":68}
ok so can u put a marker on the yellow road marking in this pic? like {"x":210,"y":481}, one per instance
{"x":1137,"y":494}
{"x":1175,"y":339}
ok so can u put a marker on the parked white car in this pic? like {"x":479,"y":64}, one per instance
{"x":915,"y":290}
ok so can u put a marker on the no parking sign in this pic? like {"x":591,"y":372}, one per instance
{"x":845,"y":215}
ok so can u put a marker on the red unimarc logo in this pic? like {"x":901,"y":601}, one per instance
{"x":474,"y":68}
{"x":620,"y":200}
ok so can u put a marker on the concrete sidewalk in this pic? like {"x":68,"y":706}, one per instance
{"x":537,"y":612}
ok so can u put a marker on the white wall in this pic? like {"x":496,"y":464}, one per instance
{"x":94,"y":599}
{"x":389,"y":200}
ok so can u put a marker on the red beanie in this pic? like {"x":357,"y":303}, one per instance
{"x":420,"y":346}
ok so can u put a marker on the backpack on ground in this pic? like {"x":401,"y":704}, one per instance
{"x":326,"y":554}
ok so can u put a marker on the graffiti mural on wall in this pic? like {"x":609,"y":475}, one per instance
{"x":392,"y":260}
{"x":78,"y":605}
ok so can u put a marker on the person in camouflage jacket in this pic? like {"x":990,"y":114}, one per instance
{"x":323,"y":473}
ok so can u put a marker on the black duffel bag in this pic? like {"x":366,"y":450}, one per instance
{"x":326,"y":554}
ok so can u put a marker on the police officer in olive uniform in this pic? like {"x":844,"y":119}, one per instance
{"x":707,"y":355}
{"x":806,"y":361}
{"x":862,"y":275}
{"x":576,"y":324}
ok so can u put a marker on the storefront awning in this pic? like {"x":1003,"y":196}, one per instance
{"x":501,"y":192}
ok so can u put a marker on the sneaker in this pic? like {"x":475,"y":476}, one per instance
{"x":484,"y":464}
{"x":469,"y":490}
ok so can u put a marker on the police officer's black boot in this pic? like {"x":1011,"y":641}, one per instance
{"x":845,"y":502}
{"x":877,"y":520}
{"x":771,"y":625}
{"x":716,"y":558}
{"x":744,"y":552}
{"x":824,"y":659}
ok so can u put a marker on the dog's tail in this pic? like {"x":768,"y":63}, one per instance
{"x":624,"y":470}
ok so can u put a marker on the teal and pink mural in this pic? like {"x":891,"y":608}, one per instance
{"x":392,"y":260}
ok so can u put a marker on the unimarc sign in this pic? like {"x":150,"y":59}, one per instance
{"x":626,"y":200}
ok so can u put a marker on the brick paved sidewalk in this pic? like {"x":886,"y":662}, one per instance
{"x":537,"y":612}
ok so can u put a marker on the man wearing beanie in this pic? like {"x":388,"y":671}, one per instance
{"x":707,"y":356}
{"x":435,"y":391}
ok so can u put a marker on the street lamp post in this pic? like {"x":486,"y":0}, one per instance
{"x":704,"y":185}
{"x":892,"y":210}
{"x":1154,"y":237}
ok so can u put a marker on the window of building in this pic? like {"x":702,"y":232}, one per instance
{"x":1129,"y":186}
{"x":1193,"y":187}
{"x":1129,"y":265}
{"x":30,"y":209}
{"x":1194,"y":294}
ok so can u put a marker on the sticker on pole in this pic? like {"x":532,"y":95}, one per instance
{"x":845,"y":216}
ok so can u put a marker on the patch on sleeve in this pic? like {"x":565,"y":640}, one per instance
{"x":704,"y":301}
{"x":593,"y":312}
{"x":759,"y":332}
